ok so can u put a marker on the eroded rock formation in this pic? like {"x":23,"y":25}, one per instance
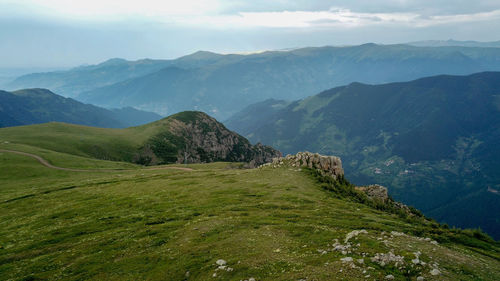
{"x":375,"y":191}
{"x":195,"y":137}
{"x":327,"y":165}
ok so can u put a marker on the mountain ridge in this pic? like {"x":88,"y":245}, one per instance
{"x":33,"y":106}
{"x":71,"y":82}
{"x":223,"y":84}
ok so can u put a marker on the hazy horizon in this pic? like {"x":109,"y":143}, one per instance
{"x":57,"y":33}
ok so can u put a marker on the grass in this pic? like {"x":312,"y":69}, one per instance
{"x":101,"y":143}
{"x":141,"y":224}
{"x":90,"y":142}
{"x":159,"y":142}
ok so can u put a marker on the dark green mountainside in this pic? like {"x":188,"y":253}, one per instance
{"x":34,"y":106}
{"x":186,"y":137}
{"x":134,"y":117}
{"x":434,"y":141}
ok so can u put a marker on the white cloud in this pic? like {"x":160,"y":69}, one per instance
{"x":460,"y":18}
{"x":69,"y":32}
{"x":335,"y":17}
{"x":210,"y":14}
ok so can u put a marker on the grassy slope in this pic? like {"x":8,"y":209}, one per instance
{"x":159,"y":224}
{"x":100,"y":143}
{"x":135,"y":144}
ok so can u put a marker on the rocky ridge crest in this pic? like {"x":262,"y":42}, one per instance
{"x":195,"y":137}
{"x":327,"y":165}
{"x":375,"y":192}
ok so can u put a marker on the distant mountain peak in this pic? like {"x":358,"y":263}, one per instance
{"x":202,"y":55}
{"x":370,"y":44}
{"x":114,"y":61}
{"x":34,"y":92}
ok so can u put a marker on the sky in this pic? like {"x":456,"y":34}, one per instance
{"x":65,"y":33}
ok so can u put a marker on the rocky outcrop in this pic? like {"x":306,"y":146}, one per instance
{"x":195,"y":137}
{"x":327,"y":165}
{"x":375,"y":192}
{"x":379,"y":193}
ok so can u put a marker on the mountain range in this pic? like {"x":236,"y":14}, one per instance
{"x":224,"y":84}
{"x":419,"y":138}
{"x":33,"y":106}
{"x":70,"y":83}
{"x":433,"y":141}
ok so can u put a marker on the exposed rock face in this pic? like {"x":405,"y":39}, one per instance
{"x":403,"y":207}
{"x":379,"y":193}
{"x":375,"y":191}
{"x":327,"y":165}
{"x":195,"y":137}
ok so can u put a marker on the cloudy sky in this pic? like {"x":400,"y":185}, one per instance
{"x":62,"y":33}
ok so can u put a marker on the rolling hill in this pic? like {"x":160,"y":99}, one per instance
{"x":214,"y":222}
{"x":186,"y":137}
{"x":34,"y":106}
{"x":433,"y":141}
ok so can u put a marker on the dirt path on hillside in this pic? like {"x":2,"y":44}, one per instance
{"x":48,"y":165}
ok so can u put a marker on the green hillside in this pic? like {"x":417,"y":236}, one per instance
{"x":434,"y":142}
{"x":189,"y":136}
{"x":165,"y":224}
